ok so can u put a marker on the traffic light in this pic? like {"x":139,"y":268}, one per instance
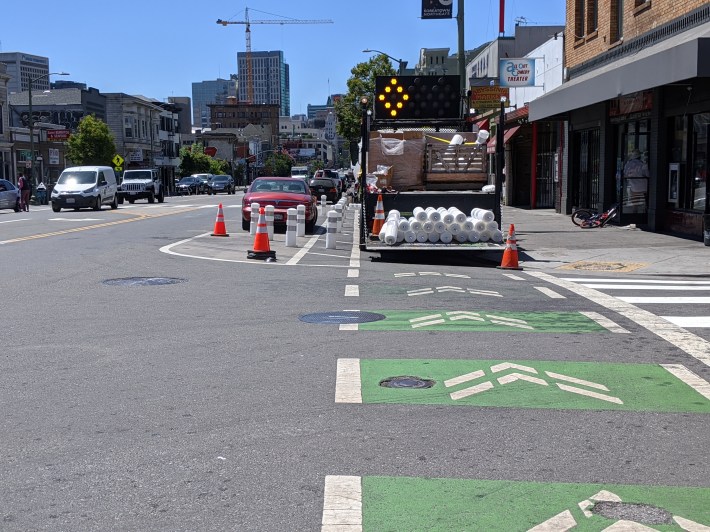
{"x":417,"y":97}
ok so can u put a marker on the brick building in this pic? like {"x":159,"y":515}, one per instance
{"x":636,"y":77}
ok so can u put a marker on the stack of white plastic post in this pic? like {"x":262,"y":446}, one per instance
{"x":432,"y":224}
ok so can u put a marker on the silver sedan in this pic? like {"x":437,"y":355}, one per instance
{"x":9,"y":196}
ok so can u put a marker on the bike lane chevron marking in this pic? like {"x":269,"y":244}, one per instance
{"x":375,"y":503}
{"x":423,"y":274}
{"x":555,"y":385}
{"x":465,"y":320}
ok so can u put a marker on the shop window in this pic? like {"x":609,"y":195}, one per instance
{"x":632,"y":172}
{"x":698,"y":181}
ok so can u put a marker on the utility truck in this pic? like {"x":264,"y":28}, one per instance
{"x":418,"y":151}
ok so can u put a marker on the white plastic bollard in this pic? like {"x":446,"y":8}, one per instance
{"x":323,"y":200}
{"x":301,"y":220}
{"x":331,"y":231}
{"x":339,"y":217}
{"x":291,"y":223}
{"x":446,"y":237}
{"x":269,"y":217}
{"x":254,"y":218}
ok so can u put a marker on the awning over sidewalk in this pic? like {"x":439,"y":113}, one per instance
{"x":677,"y":58}
{"x":507,"y":135}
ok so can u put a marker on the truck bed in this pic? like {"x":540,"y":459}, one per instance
{"x":405,"y":202}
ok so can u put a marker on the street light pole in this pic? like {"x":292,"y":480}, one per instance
{"x":399,"y":61}
{"x":31,"y":122}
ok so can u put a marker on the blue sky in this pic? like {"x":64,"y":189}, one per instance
{"x":158,"y":48}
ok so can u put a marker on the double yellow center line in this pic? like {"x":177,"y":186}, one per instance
{"x":138,"y":217}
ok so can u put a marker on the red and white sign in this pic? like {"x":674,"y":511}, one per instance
{"x":58,"y":135}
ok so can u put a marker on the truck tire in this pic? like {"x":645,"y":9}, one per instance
{"x":120,"y":199}
{"x":151,"y":197}
{"x":114,"y":203}
{"x":161,"y":195}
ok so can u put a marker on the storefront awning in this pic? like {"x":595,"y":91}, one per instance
{"x":483,"y":124}
{"x":507,"y":135}
{"x":677,"y":58}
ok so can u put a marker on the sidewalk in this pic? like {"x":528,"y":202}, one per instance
{"x":547,"y":240}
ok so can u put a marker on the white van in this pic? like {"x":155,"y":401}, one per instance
{"x":300,"y":172}
{"x":85,"y":186}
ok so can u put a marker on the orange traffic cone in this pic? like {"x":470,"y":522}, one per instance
{"x":510,"y":255}
{"x":219,"y":228}
{"x":379,"y":219}
{"x":261,"y":249}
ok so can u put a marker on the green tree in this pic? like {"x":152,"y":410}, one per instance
{"x":92,"y":144}
{"x":219,"y":167}
{"x":193,"y":160}
{"x":278,"y":164}
{"x":361,"y":83}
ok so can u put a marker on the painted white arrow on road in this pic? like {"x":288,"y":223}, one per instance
{"x":457,"y":289}
{"x":519,"y":376}
{"x":513,"y":377}
{"x":509,"y":365}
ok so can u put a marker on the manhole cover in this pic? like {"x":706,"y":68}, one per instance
{"x":343,"y":316}
{"x":639,"y":513}
{"x":406,"y":381}
{"x":144,"y":281}
{"x":603,"y":266}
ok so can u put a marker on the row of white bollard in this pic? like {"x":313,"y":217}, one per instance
{"x":296,"y":222}
{"x":335,"y":223}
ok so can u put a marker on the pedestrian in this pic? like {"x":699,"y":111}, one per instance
{"x":25,"y":186}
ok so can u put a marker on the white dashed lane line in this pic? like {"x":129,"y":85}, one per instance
{"x":549,"y":292}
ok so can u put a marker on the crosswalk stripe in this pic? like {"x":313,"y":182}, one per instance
{"x":695,"y":346}
{"x":646,"y":287}
{"x":641,"y":281}
{"x":689,"y":321}
{"x":666,"y":300}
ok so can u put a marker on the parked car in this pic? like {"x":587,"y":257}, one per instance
{"x":221,"y":183}
{"x":188,"y":185}
{"x":204,"y":180}
{"x":324,"y":186}
{"x":9,"y":196}
{"x":85,"y":186}
{"x":283,"y":193}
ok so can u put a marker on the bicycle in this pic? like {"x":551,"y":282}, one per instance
{"x":589,"y":218}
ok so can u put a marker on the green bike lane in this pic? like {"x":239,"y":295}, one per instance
{"x":383,"y":504}
{"x":406,"y":503}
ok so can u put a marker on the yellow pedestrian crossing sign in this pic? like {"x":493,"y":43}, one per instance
{"x":117,"y":160}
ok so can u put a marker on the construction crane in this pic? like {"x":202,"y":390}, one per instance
{"x":247,"y":23}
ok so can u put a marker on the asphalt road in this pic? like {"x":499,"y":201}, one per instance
{"x":208,"y":404}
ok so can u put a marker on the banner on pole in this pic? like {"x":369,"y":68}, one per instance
{"x":436,"y":9}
